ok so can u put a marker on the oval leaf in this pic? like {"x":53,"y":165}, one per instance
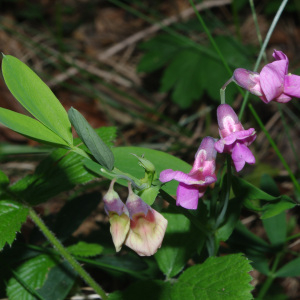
{"x":36,"y":97}
{"x":29,"y":127}
{"x":91,"y":139}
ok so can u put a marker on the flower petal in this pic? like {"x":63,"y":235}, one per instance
{"x":119,"y":227}
{"x":240,"y":155}
{"x":169,"y":174}
{"x":272,"y":79}
{"x":187,"y":196}
{"x":292,"y":85}
{"x":146,"y":233}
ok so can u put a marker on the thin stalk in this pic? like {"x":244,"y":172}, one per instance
{"x":258,"y":120}
{"x":65,"y":254}
{"x":254,"y":16}
{"x":263,"y":48}
{"x":270,"y":278}
{"x":221,"y":216}
{"x":222,"y":90}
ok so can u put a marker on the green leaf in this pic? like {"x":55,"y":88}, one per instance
{"x":4,"y":180}
{"x":59,"y":282}
{"x":185,"y":76}
{"x":57,"y":173}
{"x":12,"y":216}
{"x":146,"y":290}
{"x":30,"y":127}
{"x":125,"y":161}
{"x":29,"y":276}
{"x":36,"y":97}
{"x":180,"y":243}
{"x":291,"y":269}
{"x":91,"y":139}
{"x":276,"y":229}
{"x":85,"y":249}
{"x":218,"y":278}
{"x":149,"y":195}
{"x":248,"y":192}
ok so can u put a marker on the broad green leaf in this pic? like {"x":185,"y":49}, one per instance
{"x":59,"y":282}
{"x":36,"y":97}
{"x":85,"y":249}
{"x":29,"y":276}
{"x":126,"y":162}
{"x":12,"y":216}
{"x":30,"y":127}
{"x":218,"y":278}
{"x":91,"y":139}
{"x":180,"y":243}
{"x":274,"y":208}
{"x":146,"y":290}
{"x":57,"y":173}
{"x":149,"y":195}
{"x":276,"y":228}
{"x":291,"y":269}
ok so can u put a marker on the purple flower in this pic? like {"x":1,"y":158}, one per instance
{"x":273,"y":82}
{"x":193,"y":185}
{"x":234,"y":139}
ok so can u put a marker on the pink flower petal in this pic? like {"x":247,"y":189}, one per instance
{"x":240,"y":155}
{"x":119,"y":227}
{"x":279,"y":55}
{"x":292,"y":85}
{"x":169,"y":174}
{"x":272,"y":79}
{"x":187,"y":196}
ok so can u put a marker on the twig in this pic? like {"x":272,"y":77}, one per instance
{"x":156,"y":27}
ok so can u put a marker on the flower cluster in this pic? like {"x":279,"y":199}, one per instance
{"x":135,"y":223}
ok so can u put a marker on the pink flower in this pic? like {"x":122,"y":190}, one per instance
{"x":273,"y":83}
{"x":193,"y":185}
{"x":147,"y":226}
{"x":234,"y":139}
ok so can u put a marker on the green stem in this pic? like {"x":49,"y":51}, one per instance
{"x":257,"y":28}
{"x":262,"y":50}
{"x":221,"y":216}
{"x":270,"y":278}
{"x":64,"y":253}
{"x":262,"y":127}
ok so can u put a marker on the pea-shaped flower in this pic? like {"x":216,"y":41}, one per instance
{"x":147,"y":226}
{"x":234,"y":138}
{"x":273,"y":83}
{"x":192,"y":186}
{"x":118,"y":216}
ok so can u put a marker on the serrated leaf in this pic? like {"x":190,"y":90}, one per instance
{"x":30,"y":127}
{"x":57,"y":173}
{"x":91,"y":139}
{"x":180,"y":242}
{"x":12,"y":216}
{"x":218,"y":278}
{"x":29,"y":276}
{"x":185,"y":76}
{"x":291,"y":269}
{"x":146,"y":290}
{"x":85,"y":249}
{"x":59,"y":282}
{"x":36,"y":97}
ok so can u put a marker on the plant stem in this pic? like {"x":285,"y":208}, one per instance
{"x":262,"y":50}
{"x":270,"y":278}
{"x":222,"y":90}
{"x":64,"y":253}
{"x":292,"y":176}
{"x":221,"y":216}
